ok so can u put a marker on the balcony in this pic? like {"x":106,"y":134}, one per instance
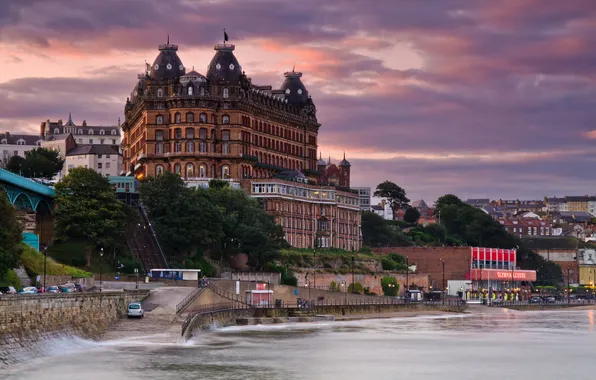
{"x":190,"y":154}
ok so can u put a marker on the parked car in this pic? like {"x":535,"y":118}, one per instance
{"x":498,"y":301}
{"x":535,"y":300}
{"x":67,"y":288}
{"x":8,"y":290}
{"x":53,"y":289}
{"x":29,"y":290}
{"x":79,"y":287}
{"x":550,"y":299}
{"x":135,"y":309}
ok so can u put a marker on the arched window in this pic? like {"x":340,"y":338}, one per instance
{"x":190,"y":146}
{"x":203,"y":133}
{"x":190,"y":117}
{"x":190,"y":133}
{"x":91,"y":131}
{"x":202,"y":170}
{"x":159,"y":148}
{"x":212,"y":147}
{"x":202,"y":117}
{"x":56,"y":130}
{"x":102,"y":132}
{"x":203,"y":147}
{"x":213,"y":134}
{"x":113,"y":132}
{"x":177,"y":169}
{"x":225,"y":147}
{"x":225,"y":171}
{"x":159,"y":93}
{"x":159,"y":135}
{"x":158,"y":170}
{"x":202,"y":91}
{"x":225,"y":119}
{"x":190,"y":170}
{"x":225,"y":93}
{"x":189,"y":92}
{"x":177,"y":117}
{"x":178,"y":133}
{"x":177,"y":147}
{"x":159,"y":119}
{"x":80,"y":131}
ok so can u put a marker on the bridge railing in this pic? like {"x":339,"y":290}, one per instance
{"x":182,"y":305}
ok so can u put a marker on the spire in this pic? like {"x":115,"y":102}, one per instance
{"x":70,"y":117}
{"x":294,"y":68}
{"x":168,"y":38}
{"x":344,"y":155}
{"x":329,"y":162}
{"x":320,"y":155}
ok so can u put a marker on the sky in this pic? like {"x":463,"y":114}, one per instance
{"x":482,"y":99}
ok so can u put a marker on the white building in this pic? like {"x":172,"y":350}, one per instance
{"x":365,"y":197}
{"x":16,"y":145}
{"x":556,"y":204}
{"x":83,"y":134}
{"x":104,"y":159}
{"x":384,"y":210}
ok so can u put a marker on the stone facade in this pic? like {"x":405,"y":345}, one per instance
{"x":29,"y":321}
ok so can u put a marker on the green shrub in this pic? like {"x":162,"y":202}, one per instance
{"x":390,"y":286}
{"x":11,"y":279}
{"x":356,"y":288}
{"x":333,"y":287}
{"x":388,"y":264}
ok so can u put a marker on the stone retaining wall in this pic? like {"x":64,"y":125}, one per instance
{"x":28,"y":322}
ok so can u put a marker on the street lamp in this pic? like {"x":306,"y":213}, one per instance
{"x":314,"y":270}
{"x":45,"y":259}
{"x":407,"y":274}
{"x":100,"y":267}
{"x":137,"y":275}
{"x":353,"y":278}
{"x":442,"y":262}
{"x":568,"y":286}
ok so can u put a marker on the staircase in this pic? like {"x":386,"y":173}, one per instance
{"x":143,"y":244}
{"x":22,"y":275}
{"x":218,"y":268}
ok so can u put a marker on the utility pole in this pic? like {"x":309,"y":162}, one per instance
{"x":407,"y":274}
{"x":314,"y":269}
{"x":45,"y":259}
{"x":100,"y":268}
{"x":568,"y":286}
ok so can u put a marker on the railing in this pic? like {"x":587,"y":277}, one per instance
{"x":227,"y":295}
{"x":153,"y":235}
{"x":563,"y":302}
{"x":182,"y":305}
{"x":210,"y":309}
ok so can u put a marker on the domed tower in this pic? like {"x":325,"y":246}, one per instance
{"x":167,"y":65}
{"x":193,"y":83}
{"x":224,"y":72}
{"x":321,"y":164}
{"x":344,"y":172}
{"x":294,"y":89}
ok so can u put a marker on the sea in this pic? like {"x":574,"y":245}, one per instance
{"x":500,"y":345}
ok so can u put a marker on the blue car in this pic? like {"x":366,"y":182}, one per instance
{"x":29,"y":290}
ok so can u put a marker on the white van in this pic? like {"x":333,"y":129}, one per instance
{"x":135,"y":309}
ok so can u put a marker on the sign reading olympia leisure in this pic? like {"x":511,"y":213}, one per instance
{"x":503,"y":275}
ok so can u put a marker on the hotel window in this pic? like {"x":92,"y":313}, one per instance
{"x":159,"y":119}
{"x":159,"y":148}
{"x":177,"y":169}
{"x":177,"y":117}
{"x":190,"y":146}
{"x":203,"y":147}
{"x":190,"y":170}
{"x":158,"y":170}
{"x":190,"y":117}
{"x":203,"y":133}
{"x":189,"y":90}
{"x":159,"y":135}
{"x":177,"y":147}
{"x":213,"y":119}
{"x":202,"y":91}
{"x":190,"y":133}
{"x":159,"y":93}
{"x":225,"y":92}
{"x":90,"y":132}
{"x":203,"y":117}
{"x":202,"y":170}
{"x":225,"y":136}
{"x":99,"y":165}
{"x":56,"y":130}
{"x":225,"y":171}
{"x":102,"y":132}
{"x":225,"y":119}
{"x":178,"y":133}
{"x":113,"y":132}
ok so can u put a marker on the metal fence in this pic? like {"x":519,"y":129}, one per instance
{"x":560,"y":302}
{"x":182,"y":305}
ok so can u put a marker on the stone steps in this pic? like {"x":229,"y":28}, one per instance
{"x":22,"y":275}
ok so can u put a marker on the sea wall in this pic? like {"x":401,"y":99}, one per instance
{"x":29,"y":322}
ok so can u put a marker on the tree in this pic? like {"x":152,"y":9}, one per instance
{"x":15,"y":164}
{"x":10,"y":236}
{"x":38,"y":162}
{"x":412,"y":215}
{"x":378,"y":232}
{"x":447,"y":199}
{"x":395,"y":195}
{"x":87,"y":210}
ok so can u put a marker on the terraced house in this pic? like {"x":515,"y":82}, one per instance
{"x":221,"y":125}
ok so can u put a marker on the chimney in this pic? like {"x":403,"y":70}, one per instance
{"x":7,"y":134}
{"x":84,"y":123}
{"x":60,"y":122}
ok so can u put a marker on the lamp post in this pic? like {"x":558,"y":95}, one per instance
{"x":568,"y":286}
{"x":407,"y":288}
{"x":442,"y":262}
{"x":353,"y":282}
{"x":100,"y":267}
{"x":314,"y":269}
{"x":45,"y":259}
{"x":137,"y":275}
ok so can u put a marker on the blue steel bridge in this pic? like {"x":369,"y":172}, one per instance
{"x":34,"y":202}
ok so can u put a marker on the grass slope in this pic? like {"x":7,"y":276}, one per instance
{"x":33,"y":262}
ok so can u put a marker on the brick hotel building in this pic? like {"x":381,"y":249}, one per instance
{"x":220,"y":125}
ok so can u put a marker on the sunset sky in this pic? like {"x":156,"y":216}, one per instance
{"x":480,"y":98}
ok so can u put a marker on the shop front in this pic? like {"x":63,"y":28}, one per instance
{"x":507,"y":285}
